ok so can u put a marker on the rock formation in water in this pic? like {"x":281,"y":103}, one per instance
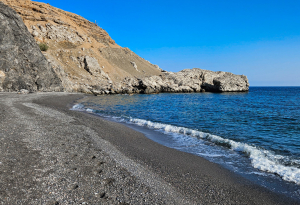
{"x":22,"y":65}
{"x":82,"y":57}
{"x":189,"y":80}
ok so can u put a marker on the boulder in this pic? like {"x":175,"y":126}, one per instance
{"x":22,"y":64}
{"x":92,"y":66}
{"x":24,"y":91}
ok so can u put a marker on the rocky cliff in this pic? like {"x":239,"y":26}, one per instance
{"x":22,"y":65}
{"x":82,"y":57}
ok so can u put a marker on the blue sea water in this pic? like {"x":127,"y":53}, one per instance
{"x":256,"y":134}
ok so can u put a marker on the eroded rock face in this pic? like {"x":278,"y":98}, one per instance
{"x":58,"y":33}
{"x":22,"y":65}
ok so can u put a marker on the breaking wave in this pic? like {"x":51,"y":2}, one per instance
{"x":261,"y":159}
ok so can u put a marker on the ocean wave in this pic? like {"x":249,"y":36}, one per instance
{"x":261,"y":159}
{"x":78,"y":107}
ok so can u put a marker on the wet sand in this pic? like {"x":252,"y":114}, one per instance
{"x":52,"y":155}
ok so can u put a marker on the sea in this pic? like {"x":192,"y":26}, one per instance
{"x":255,"y":134}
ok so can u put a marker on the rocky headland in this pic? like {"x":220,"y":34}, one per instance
{"x":82,"y":57}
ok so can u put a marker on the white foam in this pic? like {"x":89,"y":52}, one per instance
{"x":260,"y":159}
{"x":89,"y":110}
{"x":209,"y":155}
{"x":78,"y":107}
{"x":258,"y":173}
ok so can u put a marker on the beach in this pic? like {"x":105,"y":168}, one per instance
{"x":53,"y":155}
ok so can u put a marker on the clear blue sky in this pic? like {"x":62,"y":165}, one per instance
{"x":257,"y":38}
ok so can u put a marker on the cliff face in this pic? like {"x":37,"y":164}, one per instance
{"x":82,"y":57}
{"x":82,"y":54}
{"x":22,"y":65}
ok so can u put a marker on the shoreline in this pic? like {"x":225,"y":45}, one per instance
{"x":154,"y":174}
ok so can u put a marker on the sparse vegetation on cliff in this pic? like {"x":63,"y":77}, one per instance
{"x":43,"y":47}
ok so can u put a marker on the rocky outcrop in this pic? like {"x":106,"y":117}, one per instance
{"x":188,"y":80}
{"x":22,"y":65}
{"x":92,"y":66}
{"x":58,"y":33}
{"x":134,"y":65}
{"x":229,"y":82}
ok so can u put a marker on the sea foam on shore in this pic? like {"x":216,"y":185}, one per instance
{"x":261,"y":159}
